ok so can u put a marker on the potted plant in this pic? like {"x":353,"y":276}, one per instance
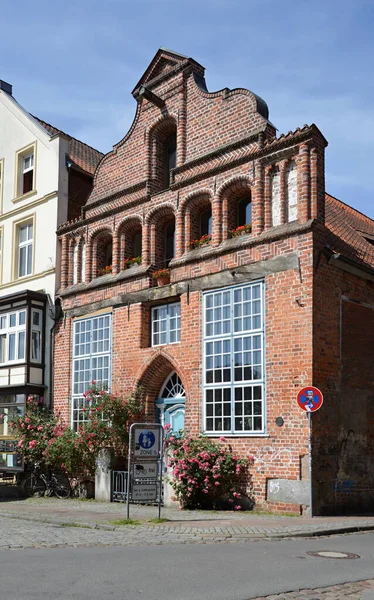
{"x":105,"y":270}
{"x":241,"y":230}
{"x":162,"y":276}
{"x":205,"y":239}
{"x":131,"y":262}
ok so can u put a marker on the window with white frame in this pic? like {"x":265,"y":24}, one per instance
{"x":26,"y":183}
{"x":36,"y":335}
{"x":13,"y":336}
{"x":25,"y":249}
{"x":234,"y":360}
{"x":1,"y":183}
{"x":166,"y":324}
{"x":91,"y":362}
{"x":1,"y":253}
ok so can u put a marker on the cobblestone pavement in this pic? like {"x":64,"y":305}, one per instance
{"x":39,"y":532}
{"x":359,"y":590}
{"x":187,"y":525}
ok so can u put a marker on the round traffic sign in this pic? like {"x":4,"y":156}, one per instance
{"x":310,"y":398}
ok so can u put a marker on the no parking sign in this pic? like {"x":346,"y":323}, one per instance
{"x":310,"y":399}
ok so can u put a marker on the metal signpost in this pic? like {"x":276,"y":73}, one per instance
{"x":310,"y":399}
{"x":145,"y":464}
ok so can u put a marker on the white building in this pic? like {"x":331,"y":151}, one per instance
{"x":45,"y":177}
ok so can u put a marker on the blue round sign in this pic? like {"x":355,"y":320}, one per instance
{"x":147,"y":439}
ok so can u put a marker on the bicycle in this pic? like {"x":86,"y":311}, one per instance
{"x":45,"y":483}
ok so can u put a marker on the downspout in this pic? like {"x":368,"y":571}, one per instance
{"x":56,"y":314}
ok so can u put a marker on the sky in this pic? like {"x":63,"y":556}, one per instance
{"x":74,"y":65}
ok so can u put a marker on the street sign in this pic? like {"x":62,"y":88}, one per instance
{"x":145,"y":465}
{"x":144,"y":491}
{"x":145,"y":470}
{"x":147,"y":442}
{"x":310,"y":399}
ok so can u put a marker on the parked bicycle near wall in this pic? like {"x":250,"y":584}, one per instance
{"x":42,"y":482}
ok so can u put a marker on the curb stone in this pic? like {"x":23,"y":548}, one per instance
{"x":225,"y":533}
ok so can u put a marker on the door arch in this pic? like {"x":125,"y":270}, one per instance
{"x":171,"y":403}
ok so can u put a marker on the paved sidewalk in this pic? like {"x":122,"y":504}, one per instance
{"x":204,"y":525}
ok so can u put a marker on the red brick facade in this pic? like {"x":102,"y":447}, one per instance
{"x":226,"y":151}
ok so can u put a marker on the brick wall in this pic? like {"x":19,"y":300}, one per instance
{"x":343,"y":451}
{"x":226,"y":151}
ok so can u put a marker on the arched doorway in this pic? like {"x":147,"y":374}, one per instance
{"x":171,"y":403}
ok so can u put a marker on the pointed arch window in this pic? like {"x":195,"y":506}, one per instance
{"x":173,"y":387}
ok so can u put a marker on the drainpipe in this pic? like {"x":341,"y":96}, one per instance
{"x":56,"y":314}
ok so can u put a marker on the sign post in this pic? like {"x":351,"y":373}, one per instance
{"x":144,"y":465}
{"x":310,"y":399}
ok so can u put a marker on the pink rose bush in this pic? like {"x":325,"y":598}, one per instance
{"x":205,"y":474}
{"x":44,"y":437}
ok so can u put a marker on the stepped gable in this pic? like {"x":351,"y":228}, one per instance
{"x":352,"y":233}
{"x":172,"y":94}
{"x":83,"y":156}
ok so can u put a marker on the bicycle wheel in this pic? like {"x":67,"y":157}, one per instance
{"x":61,"y":485}
{"x":34,"y":487}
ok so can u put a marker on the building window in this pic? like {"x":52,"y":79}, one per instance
{"x":91,"y":361}
{"x":137,"y":244}
{"x":1,"y":254}
{"x":1,"y":184}
{"x":244,"y":212}
{"x":26,"y":170}
{"x":13,"y":336}
{"x":169,"y":251}
{"x":25,"y":249}
{"x":36,"y":335}
{"x":166,"y":324}
{"x":206,"y":222}
{"x":27,"y":176}
{"x":234,"y":360}
{"x":170,"y":157}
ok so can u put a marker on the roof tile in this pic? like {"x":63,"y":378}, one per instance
{"x":84,"y":156}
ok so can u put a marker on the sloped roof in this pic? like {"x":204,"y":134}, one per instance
{"x":82,"y":155}
{"x":352,"y":233}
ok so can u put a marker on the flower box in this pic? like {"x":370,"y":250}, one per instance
{"x":205,"y":239}
{"x":241,"y":230}
{"x":105,"y":270}
{"x":131,"y":262}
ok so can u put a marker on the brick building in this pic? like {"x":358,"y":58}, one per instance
{"x":271,"y":288}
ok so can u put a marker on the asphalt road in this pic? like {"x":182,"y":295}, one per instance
{"x":221,"y":571}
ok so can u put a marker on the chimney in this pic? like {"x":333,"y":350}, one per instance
{"x":6,"y":87}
